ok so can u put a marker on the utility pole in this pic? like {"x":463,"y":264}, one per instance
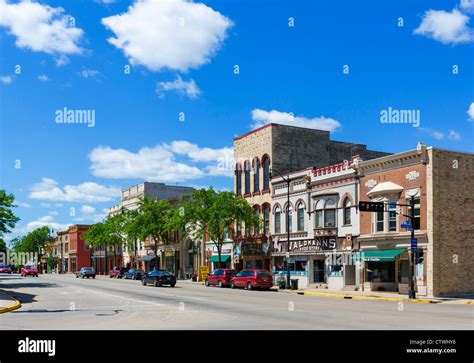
{"x":411,"y":292}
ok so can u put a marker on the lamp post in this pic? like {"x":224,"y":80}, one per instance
{"x":288,"y":181}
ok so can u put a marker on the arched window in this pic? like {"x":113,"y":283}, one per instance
{"x":300,"y":224}
{"x":257,"y":228}
{"x":266,"y":172}
{"x":247,"y":177}
{"x":330,"y":213}
{"x":289,"y":219}
{"x":318,"y":220}
{"x":347,"y":211}
{"x":266,"y":219}
{"x":277,"y":228}
{"x":256,"y":175}
{"x":238,"y":176}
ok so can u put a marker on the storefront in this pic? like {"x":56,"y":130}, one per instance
{"x":213,"y":255}
{"x":255,"y":255}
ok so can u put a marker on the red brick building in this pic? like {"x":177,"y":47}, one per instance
{"x":79,"y":252}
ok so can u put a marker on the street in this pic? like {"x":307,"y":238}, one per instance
{"x":64,"y":302}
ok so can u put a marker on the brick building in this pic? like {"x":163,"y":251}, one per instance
{"x":70,"y":250}
{"x":280,"y":149}
{"x":438,"y":180}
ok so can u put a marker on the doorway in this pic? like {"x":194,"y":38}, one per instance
{"x":318,"y":271}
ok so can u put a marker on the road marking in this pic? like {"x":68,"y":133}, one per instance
{"x":122,"y":297}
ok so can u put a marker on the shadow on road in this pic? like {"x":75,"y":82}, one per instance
{"x":21,"y":296}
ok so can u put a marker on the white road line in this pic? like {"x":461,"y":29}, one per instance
{"x":122,"y":297}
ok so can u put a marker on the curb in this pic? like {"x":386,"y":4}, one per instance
{"x":10,"y":308}
{"x":361,"y":297}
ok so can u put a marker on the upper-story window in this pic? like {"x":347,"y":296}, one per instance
{"x":266,"y":219}
{"x":278,"y":220}
{"x":300,"y":224}
{"x":330,"y":213}
{"x":247,"y":177}
{"x":380,"y":221}
{"x":257,"y":228}
{"x":266,"y":172}
{"x":238,"y":175}
{"x":289,"y":219}
{"x":239,"y":229}
{"x":318,"y":214}
{"x":347,"y":211}
{"x":226,"y":233}
{"x":256,"y":175}
{"x":392,"y":217}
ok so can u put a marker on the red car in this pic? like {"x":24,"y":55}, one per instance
{"x":29,"y":270}
{"x":5,"y":269}
{"x":117,"y":272}
{"x":220,"y":277}
{"x":253,"y":279}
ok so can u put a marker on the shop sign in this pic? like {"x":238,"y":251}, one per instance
{"x":317,"y":244}
{"x":224,"y":251}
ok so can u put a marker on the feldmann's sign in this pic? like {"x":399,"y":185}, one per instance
{"x":318,"y":244}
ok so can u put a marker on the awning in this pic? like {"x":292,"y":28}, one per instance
{"x":146,"y":258}
{"x":385,"y":188}
{"x":224,"y":258}
{"x":380,"y":255}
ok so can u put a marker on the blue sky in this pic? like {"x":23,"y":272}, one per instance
{"x":182,"y":57}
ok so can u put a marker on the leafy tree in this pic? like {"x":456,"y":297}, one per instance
{"x":7,"y":218}
{"x":152,"y":220}
{"x":34,"y":241}
{"x":3,"y":246}
{"x":215,"y":213}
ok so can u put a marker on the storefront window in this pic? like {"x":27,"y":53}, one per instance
{"x":380,"y":271}
{"x":404,"y":272}
{"x":277,"y":222}
{"x":335,"y":270}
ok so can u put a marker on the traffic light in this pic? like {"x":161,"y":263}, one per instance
{"x":371,"y":206}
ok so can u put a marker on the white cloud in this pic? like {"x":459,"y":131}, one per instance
{"x":41,"y":28}
{"x":172,"y":34}
{"x":48,"y":189}
{"x":438,"y":135}
{"x":6,"y":79}
{"x":446,"y":27}
{"x":53,"y":213}
{"x":154,"y":164}
{"x":453,"y":135}
{"x":59,"y":205}
{"x":262,"y":118}
{"x":43,"y":78}
{"x":467,"y":6}
{"x":470,"y":111}
{"x":89,"y":73}
{"x":189,"y":88}
{"x":44,"y":221}
{"x":23,"y":204}
{"x":87,"y":209}
{"x":160,"y":163}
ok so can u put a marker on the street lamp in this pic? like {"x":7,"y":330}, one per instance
{"x":287,"y":180}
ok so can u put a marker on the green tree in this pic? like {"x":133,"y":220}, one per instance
{"x":152,"y":220}
{"x":214,"y":213}
{"x":34,"y":241}
{"x":7,"y":217}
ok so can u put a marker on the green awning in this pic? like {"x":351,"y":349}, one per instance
{"x":224,"y":258}
{"x":380,"y":255}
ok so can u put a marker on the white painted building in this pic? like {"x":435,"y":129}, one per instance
{"x":324,"y":226}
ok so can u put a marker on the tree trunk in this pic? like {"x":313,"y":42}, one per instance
{"x":219,"y":247}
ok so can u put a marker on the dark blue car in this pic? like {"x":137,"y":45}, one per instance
{"x":134,"y":274}
{"x":159,"y":278}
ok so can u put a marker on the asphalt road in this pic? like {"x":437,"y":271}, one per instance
{"x":64,"y":302}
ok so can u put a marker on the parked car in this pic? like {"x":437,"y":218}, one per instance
{"x":134,"y":274}
{"x":5,"y":269}
{"x":86,"y":272}
{"x":159,"y":278}
{"x":253,"y":279}
{"x":117,"y":272}
{"x":220,"y":277}
{"x":29,"y":270}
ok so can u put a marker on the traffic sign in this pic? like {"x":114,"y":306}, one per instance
{"x":406,"y":224}
{"x":414,"y":244}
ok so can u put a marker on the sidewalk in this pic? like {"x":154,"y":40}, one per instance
{"x":8,"y":303}
{"x":374,"y":295}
